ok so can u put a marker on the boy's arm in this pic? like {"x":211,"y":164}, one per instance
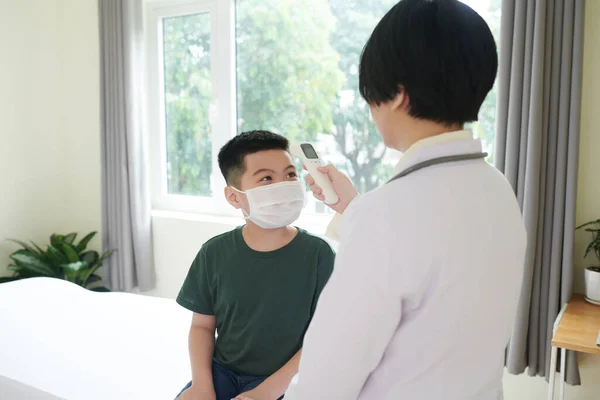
{"x":195,"y":295}
{"x":275,"y":386}
{"x":201,"y":347}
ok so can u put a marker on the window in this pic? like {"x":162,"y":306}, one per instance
{"x":187,"y":98}
{"x":485,"y":128}
{"x":221,"y":67}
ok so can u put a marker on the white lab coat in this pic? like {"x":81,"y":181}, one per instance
{"x":425,"y":288}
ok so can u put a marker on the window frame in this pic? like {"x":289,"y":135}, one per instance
{"x":223,"y":104}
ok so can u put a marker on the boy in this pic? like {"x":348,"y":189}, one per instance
{"x":257,"y":285}
{"x":429,"y":269}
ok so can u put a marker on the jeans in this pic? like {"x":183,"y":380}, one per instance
{"x":228,"y":384}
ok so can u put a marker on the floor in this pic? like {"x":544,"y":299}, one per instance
{"x":524,"y":387}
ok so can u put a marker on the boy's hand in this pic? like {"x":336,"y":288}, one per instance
{"x":197,"y":394}
{"x":342,"y":185}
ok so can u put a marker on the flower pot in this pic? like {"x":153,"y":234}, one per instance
{"x":592,"y":285}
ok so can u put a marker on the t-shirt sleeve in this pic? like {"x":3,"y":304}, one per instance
{"x":324,"y":270}
{"x":195,"y":293}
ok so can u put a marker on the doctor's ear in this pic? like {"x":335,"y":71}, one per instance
{"x":401,"y":101}
{"x":233,"y":197}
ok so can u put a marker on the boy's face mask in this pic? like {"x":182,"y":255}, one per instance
{"x":276,"y":205}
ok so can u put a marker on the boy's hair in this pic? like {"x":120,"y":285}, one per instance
{"x":233,"y":154}
{"x":441,"y":52}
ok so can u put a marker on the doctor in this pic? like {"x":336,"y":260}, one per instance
{"x":426,"y":282}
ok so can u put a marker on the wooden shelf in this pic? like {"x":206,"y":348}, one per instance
{"x":578,"y":329}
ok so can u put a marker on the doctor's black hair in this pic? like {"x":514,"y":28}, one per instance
{"x":233,"y":154}
{"x":441,"y":52}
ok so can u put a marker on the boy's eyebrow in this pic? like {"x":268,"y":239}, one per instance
{"x":260,"y":171}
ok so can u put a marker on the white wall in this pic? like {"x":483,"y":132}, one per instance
{"x":49,"y":108}
{"x":80,"y":98}
{"x":177,"y":239}
{"x":588,"y":188}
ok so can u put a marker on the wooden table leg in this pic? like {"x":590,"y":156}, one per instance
{"x":552,"y":373}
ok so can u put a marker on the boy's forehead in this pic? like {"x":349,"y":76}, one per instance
{"x":267,"y":159}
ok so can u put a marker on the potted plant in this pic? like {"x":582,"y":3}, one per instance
{"x":592,"y":274}
{"x":63,"y":258}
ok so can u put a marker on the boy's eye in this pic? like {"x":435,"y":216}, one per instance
{"x":292,"y":175}
{"x":266,"y":179}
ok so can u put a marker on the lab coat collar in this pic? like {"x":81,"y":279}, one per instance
{"x":445,"y":144}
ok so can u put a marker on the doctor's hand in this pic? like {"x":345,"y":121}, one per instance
{"x":341,"y":184}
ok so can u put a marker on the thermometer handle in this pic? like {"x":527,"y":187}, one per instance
{"x":322,"y":180}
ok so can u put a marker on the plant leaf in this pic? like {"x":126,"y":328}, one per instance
{"x":55,"y":255}
{"x":596,"y":222}
{"x":93,"y":279}
{"x":86,"y":275}
{"x":84,"y":242}
{"x":592,"y":246}
{"x":91,"y":257}
{"x":93,"y":269}
{"x":100,"y":289}
{"x":75,"y":266}
{"x":21,"y":272}
{"x":32,"y":262}
{"x":56,"y":240}
{"x":38,"y":248}
{"x":70,"y":238}
{"x":24,"y":245}
{"x":5,"y":279}
{"x":70,"y":252}
{"x":105,"y":256}
{"x":75,"y":272}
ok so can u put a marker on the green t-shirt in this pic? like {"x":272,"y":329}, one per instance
{"x":262,"y":301}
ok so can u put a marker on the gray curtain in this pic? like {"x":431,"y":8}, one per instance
{"x":126,"y":223}
{"x":537,"y":147}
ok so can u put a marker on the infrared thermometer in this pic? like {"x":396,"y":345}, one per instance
{"x":311,"y":161}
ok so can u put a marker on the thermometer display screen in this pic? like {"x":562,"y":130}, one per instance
{"x":309,"y":151}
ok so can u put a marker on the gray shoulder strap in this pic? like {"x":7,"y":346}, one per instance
{"x":439,"y":160}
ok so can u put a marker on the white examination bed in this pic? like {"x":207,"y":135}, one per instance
{"x":59,"y":341}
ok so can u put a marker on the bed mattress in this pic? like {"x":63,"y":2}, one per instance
{"x":61,"y":341}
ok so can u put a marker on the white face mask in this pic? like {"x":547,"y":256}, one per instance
{"x":276,"y":205}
